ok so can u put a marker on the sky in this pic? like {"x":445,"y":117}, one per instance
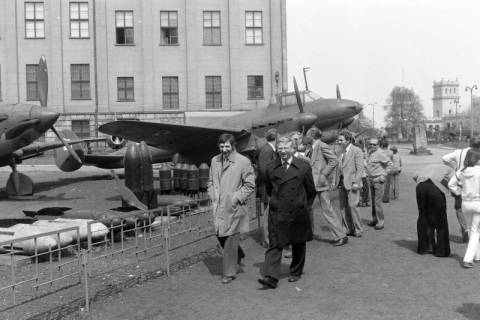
{"x":370,"y":46}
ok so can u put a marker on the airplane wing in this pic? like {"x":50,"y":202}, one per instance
{"x":180,"y":138}
{"x":38,"y":148}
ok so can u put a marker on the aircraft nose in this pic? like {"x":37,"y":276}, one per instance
{"x":45,"y":117}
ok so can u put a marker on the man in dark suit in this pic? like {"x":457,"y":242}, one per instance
{"x":289,"y":184}
{"x":266,"y":155}
{"x":351,"y":169}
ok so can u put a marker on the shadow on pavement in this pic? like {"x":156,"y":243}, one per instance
{"x":470,"y":310}
{"x":214,"y":265}
{"x":284,"y":269}
{"x":407,"y":244}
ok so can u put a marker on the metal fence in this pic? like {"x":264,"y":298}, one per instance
{"x":151,"y":236}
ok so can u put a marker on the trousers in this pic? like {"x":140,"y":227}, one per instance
{"x":273,"y":260}
{"x":377,"y":190}
{"x":232,"y":254}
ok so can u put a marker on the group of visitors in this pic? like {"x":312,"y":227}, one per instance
{"x":292,"y":171}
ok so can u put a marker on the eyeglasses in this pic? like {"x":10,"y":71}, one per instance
{"x":373,"y":144}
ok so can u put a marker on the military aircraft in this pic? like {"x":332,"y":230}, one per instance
{"x":22,"y":124}
{"x":195,"y":141}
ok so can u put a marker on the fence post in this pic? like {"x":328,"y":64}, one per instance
{"x":166,"y":234}
{"x":84,"y":256}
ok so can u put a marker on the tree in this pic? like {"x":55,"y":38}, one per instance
{"x":404,"y":111}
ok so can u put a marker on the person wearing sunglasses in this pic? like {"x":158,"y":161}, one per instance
{"x":378,"y":167}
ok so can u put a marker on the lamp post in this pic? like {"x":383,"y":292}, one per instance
{"x":456,"y":101}
{"x":373,"y":113}
{"x":473,"y":87}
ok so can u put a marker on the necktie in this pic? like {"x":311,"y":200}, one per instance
{"x":285,"y":165}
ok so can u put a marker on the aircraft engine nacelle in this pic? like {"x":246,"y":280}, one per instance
{"x":116,"y":142}
{"x":63,"y":158}
{"x":305,"y":119}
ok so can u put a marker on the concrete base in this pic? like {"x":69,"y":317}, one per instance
{"x":421,"y":152}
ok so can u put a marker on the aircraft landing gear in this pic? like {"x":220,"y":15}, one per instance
{"x":18,"y":184}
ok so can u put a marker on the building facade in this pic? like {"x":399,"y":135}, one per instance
{"x":145,"y":56}
{"x":445,"y":96}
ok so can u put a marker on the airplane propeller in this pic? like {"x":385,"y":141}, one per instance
{"x":42,"y":77}
{"x":304,"y":119}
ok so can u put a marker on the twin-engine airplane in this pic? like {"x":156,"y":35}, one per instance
{"x":20,"y":125}
{"x":196,"y":140}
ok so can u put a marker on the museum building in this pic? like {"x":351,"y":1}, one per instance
{"x":143,"y":59}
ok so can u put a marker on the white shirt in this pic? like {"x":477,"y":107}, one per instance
{"x":289,"y":162}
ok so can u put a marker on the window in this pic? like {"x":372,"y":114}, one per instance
{"x":32,"y":84}
{"x":211,"y":28}
{"x":253,"y":27}
{"x":80,"y":75}
{"x":170,"y":92}
{"x":213,"y":92}
{"x":124,"y":27}
{"x":79,"y":20}
{"x":125,"y":88}
{"x":168,"y":27}
{"x":34,"y":20}
{"x":81,"y":128}
{"x":255,"y":87}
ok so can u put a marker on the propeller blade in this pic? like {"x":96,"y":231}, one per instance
{"x":17,"y":130}
{"x":15,"y":180}
{"x":297,"y":95}
{"x":69,"y":147}
{"x":42,"y":79}
{"x":339,"y":96}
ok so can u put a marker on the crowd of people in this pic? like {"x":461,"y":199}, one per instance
{"x":292,"y":171}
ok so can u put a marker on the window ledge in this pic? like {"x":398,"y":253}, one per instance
{"x":212,"y":44}
{"x":79,"y":38}
{"x":81,"y":99}
{"x":37,"y":38}
{"x":258,"y":98}
{"x":255,"y":44}
{"x":169,"y":45}
{"x":126,"y":100}
{"x":124,"y":44}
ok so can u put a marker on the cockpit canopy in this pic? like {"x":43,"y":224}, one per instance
{"x":288,"y":99}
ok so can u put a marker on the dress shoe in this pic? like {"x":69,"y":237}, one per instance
{"x":372,"y":223}
{"x":467,"y":264}
{"x":340,"y":242}
{"x":357,"y":234}
{"x":268,"y":282}
{"x":293,"y":278}
{"x":379,"y":227}
{"x":227,"y":280}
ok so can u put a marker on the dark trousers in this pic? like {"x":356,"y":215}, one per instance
{"x":364,"y":193}
{"x":273,"y":260}
{"x":432,"y":218}
{"x":386,"y":190}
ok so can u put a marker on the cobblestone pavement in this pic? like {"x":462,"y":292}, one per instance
{"x":378,"y":276}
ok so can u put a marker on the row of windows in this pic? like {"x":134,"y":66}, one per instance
{"x":124,"y":25}
{"x":80,"y":87}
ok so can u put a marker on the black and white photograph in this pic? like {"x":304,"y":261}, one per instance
{"x":239,"y":159}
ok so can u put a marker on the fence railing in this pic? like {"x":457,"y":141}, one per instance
{"x":124,"y":240}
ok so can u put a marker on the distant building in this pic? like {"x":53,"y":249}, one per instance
{"x":141,"y":56}
{"x":445,"y":92}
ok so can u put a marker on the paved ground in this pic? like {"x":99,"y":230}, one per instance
{"x":378,"y":276}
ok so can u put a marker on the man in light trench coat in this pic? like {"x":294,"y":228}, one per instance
{"x":231,"y":183}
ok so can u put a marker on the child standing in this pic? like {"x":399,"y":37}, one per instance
{"x":466,"y":182}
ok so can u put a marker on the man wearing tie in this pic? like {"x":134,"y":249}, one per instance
{"x":350,"y":182}
{"x":289,"y":184}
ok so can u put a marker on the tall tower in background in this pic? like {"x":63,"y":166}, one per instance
{"x":445,"y":92}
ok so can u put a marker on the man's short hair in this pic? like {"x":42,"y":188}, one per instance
{"x":285,"y":139}
{"x":315,"y":132}
{"x":475,"y":142}
{"x":373,"y":140}
{"x":347,"y":135}
{"x":226,"y":137}
{"x":271,"y":135}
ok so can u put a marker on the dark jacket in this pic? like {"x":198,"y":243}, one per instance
{"x":265,"y":156}
{"x":291,"y":195}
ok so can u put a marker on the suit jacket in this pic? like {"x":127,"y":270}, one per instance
{"x":229,"y":187}
{"x":323,"y":161}
{"x":265,"y":156}
{"x":291,"y":196}
{"x":352,"y":167}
